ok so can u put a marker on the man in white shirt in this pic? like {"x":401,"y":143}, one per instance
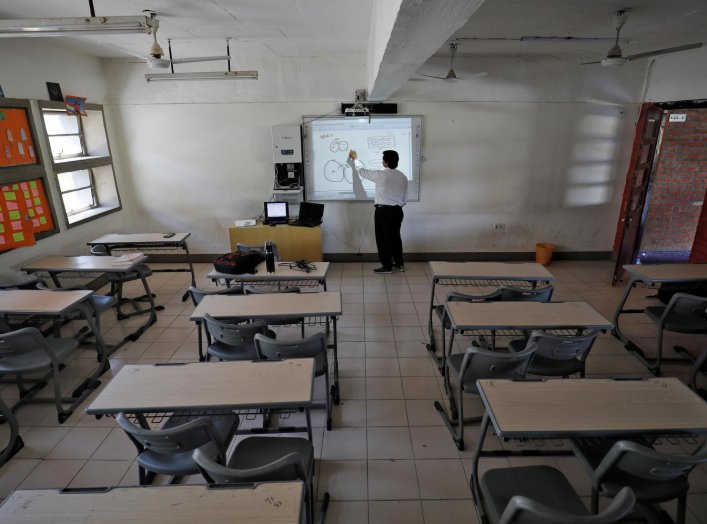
{"x":391,"y":195}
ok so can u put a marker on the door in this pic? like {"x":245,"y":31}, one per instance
{"x":647,"y":135}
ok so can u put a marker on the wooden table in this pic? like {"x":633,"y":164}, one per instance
{"x":280,"y":306}
{"x":264,"y":503}
{"x":476,"y":316}
{"x":651,"y":275}
{"x":56,"y":265}
{"x":51,"y":305}
{"x":482,"y":273}
{"x":150,"y":242}
{"x":586,"y":408}
{"x":196,"y":386}
{"x":293,"y":242}
{"x":285,"y":274}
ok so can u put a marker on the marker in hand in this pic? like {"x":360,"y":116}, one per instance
{"x":353,"y":155}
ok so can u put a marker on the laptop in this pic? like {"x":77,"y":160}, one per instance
{"x":310,"y":214}
{"x":276,"y":213}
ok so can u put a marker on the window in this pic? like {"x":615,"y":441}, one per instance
{"x":81,"y":161}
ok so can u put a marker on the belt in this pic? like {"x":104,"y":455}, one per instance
{"x":383,"y":205}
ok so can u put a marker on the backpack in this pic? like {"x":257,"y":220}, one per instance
{"x":239,"y":263}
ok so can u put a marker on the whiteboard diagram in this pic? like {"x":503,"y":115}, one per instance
{"x":329,"y":140}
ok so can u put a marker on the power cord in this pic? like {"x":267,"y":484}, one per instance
{"x":300,"y":265}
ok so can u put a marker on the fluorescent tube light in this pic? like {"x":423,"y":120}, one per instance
{"x":76,"y":26}
{"x":215,"y":75}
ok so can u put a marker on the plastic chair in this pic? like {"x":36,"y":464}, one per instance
{"x":684,"y":314}
{"x":314,"y":346}
{"x":117,"y":280}
{"x":168,"y":451}
{"x":518,"y":294}
{"x":233,"y":341}
{"x":543,"y":495}
{"x":197,"y":294}
{"x":697,"y":368}
{"x":251,"y":290}
{"x":263,"y":459}
{"x":468,"y":367}
{"x":557,"y":356}
{"x":26,"y":351}
{"x":654,"y":477}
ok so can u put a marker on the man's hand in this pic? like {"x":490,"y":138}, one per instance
{"x":353,"y":155}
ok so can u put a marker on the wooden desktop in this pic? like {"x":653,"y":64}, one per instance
{"x":293,"y":242}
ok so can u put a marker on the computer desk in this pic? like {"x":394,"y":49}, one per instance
{"x":262,"y":503}
{"x":652,"y":274}
{"x":152,"y":242}
{"x":57,"y":265}
{"x":480,"y":274}
{"x":574,"y":408}
{"x":153,"y":389}
{"x":526,"y":316}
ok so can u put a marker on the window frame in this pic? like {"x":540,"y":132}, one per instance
{"x":82,"y":162}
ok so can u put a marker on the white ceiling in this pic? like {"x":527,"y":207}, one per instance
{"x":341,"y":27}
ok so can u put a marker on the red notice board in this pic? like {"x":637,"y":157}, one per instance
{"x":24,"y":211}
{"x":16,"y":144}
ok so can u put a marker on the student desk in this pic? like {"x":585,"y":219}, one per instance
{"x":651,"y":275}
{"x":56,"y":265}
{"x":476,"y":316}
{"x":51,"y":305}
{"x":283,"y":275}
{"x":150,"y":242}
{"x":569,"y":408}
{"x":481,"y":274}
{"x":198,"y":386}
{"x":264,"y":503}
{"x":276,"y":305}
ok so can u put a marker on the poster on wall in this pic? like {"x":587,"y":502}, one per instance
{"x":15,"y":228}
{"x":16,"y":143}
{"x":75,"y":105}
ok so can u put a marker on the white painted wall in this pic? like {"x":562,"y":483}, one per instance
{"x":540,"y":145}
{"x":26,"y":65}
{"x":689,"y":66}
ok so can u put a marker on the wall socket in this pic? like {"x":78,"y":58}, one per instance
{"x":499,"y":227}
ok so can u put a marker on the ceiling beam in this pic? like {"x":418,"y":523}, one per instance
{"x":405,"y":34}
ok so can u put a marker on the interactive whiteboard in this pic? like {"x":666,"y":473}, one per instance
{"x":327,"y":142}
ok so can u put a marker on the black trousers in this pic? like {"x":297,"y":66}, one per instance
{"x":388,"y":220}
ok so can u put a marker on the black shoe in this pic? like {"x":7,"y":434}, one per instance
{"x":400,"y":268}
{"x":383,"y":271}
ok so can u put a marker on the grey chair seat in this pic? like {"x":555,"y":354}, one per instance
{"x":103,"y":303}
{"x":38,"y":359}
{"x":227,"y":352}
{"x":183,"y":463}
{"x":543,"y":484}
{"x":253,"y":452}
{"x":454,"y":363}
{"x":677,"y":322}
{"x":545,"y":366}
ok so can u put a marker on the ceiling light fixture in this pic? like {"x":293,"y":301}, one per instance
{"x":215,"y":75}
{"x":40,"y":27}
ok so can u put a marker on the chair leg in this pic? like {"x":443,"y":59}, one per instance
{"x":682,"y":502}
{"x":57,"y":392}
{"x":328,"y":399}
{"x":659,"y":355}
{"x":595,"y":502}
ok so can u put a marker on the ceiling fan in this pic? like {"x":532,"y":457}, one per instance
{"x":615,"y":57}
{"x":451,"y":74}
{"x":154,"y":59}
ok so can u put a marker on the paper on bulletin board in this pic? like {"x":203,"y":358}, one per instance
{"x":16,"y":145}
{"x":15,"y":228}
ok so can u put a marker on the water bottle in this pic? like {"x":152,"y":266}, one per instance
{"x":269,"y":257}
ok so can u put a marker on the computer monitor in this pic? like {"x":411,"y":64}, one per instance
{"x":311,"y":212}
{"x":276,"y":212}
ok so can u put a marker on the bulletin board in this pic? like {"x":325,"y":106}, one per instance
{"x":16,"y":142}
{"x":24,"y":212}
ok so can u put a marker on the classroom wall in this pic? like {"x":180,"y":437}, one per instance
{"x":539,"y":146}
{"x":690,"y":67}
{"x":26,"y":65}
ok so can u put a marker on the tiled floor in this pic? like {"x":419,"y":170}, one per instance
{"x":389,"y":458}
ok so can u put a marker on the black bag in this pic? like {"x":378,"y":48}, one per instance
{"x":239,"y":263}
